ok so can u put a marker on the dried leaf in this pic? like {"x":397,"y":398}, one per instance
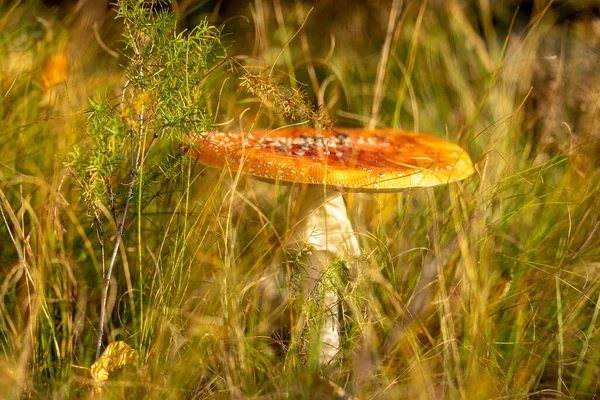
{"x":115,"y":356}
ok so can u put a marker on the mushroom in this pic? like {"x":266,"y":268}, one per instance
{"x":328,"y":163}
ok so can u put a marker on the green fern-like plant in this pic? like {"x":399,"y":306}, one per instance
{"x":126,"y":159}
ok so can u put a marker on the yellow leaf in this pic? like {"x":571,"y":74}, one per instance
{"x":115,"y":356}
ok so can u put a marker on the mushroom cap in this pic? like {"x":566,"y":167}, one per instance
{"x":361,"y":160}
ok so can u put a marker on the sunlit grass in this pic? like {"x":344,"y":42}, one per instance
{"x":501,"y":270}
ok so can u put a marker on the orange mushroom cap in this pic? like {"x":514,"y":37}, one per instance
{"x":362,"y":160}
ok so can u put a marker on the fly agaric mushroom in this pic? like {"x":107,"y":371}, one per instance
{"x":328,"y":163}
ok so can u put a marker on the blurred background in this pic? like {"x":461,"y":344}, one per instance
{"x":335,"y":55}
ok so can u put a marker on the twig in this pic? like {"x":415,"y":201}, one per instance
{"x":110,"y":269}
{"x":135,"y":169}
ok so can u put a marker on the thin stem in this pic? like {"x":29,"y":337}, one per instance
{"x":110,"y":269}
{"x":135,"y":161}
{"x":136,"y":165}
{"x":382,"y":66}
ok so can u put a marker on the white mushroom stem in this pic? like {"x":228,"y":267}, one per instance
{"x":324,"y":229}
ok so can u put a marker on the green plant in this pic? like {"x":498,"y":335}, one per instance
{"x":291,"y":103}
{"x":123,"y":166}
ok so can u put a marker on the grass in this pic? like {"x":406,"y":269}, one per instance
{"x":502,"y":271}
